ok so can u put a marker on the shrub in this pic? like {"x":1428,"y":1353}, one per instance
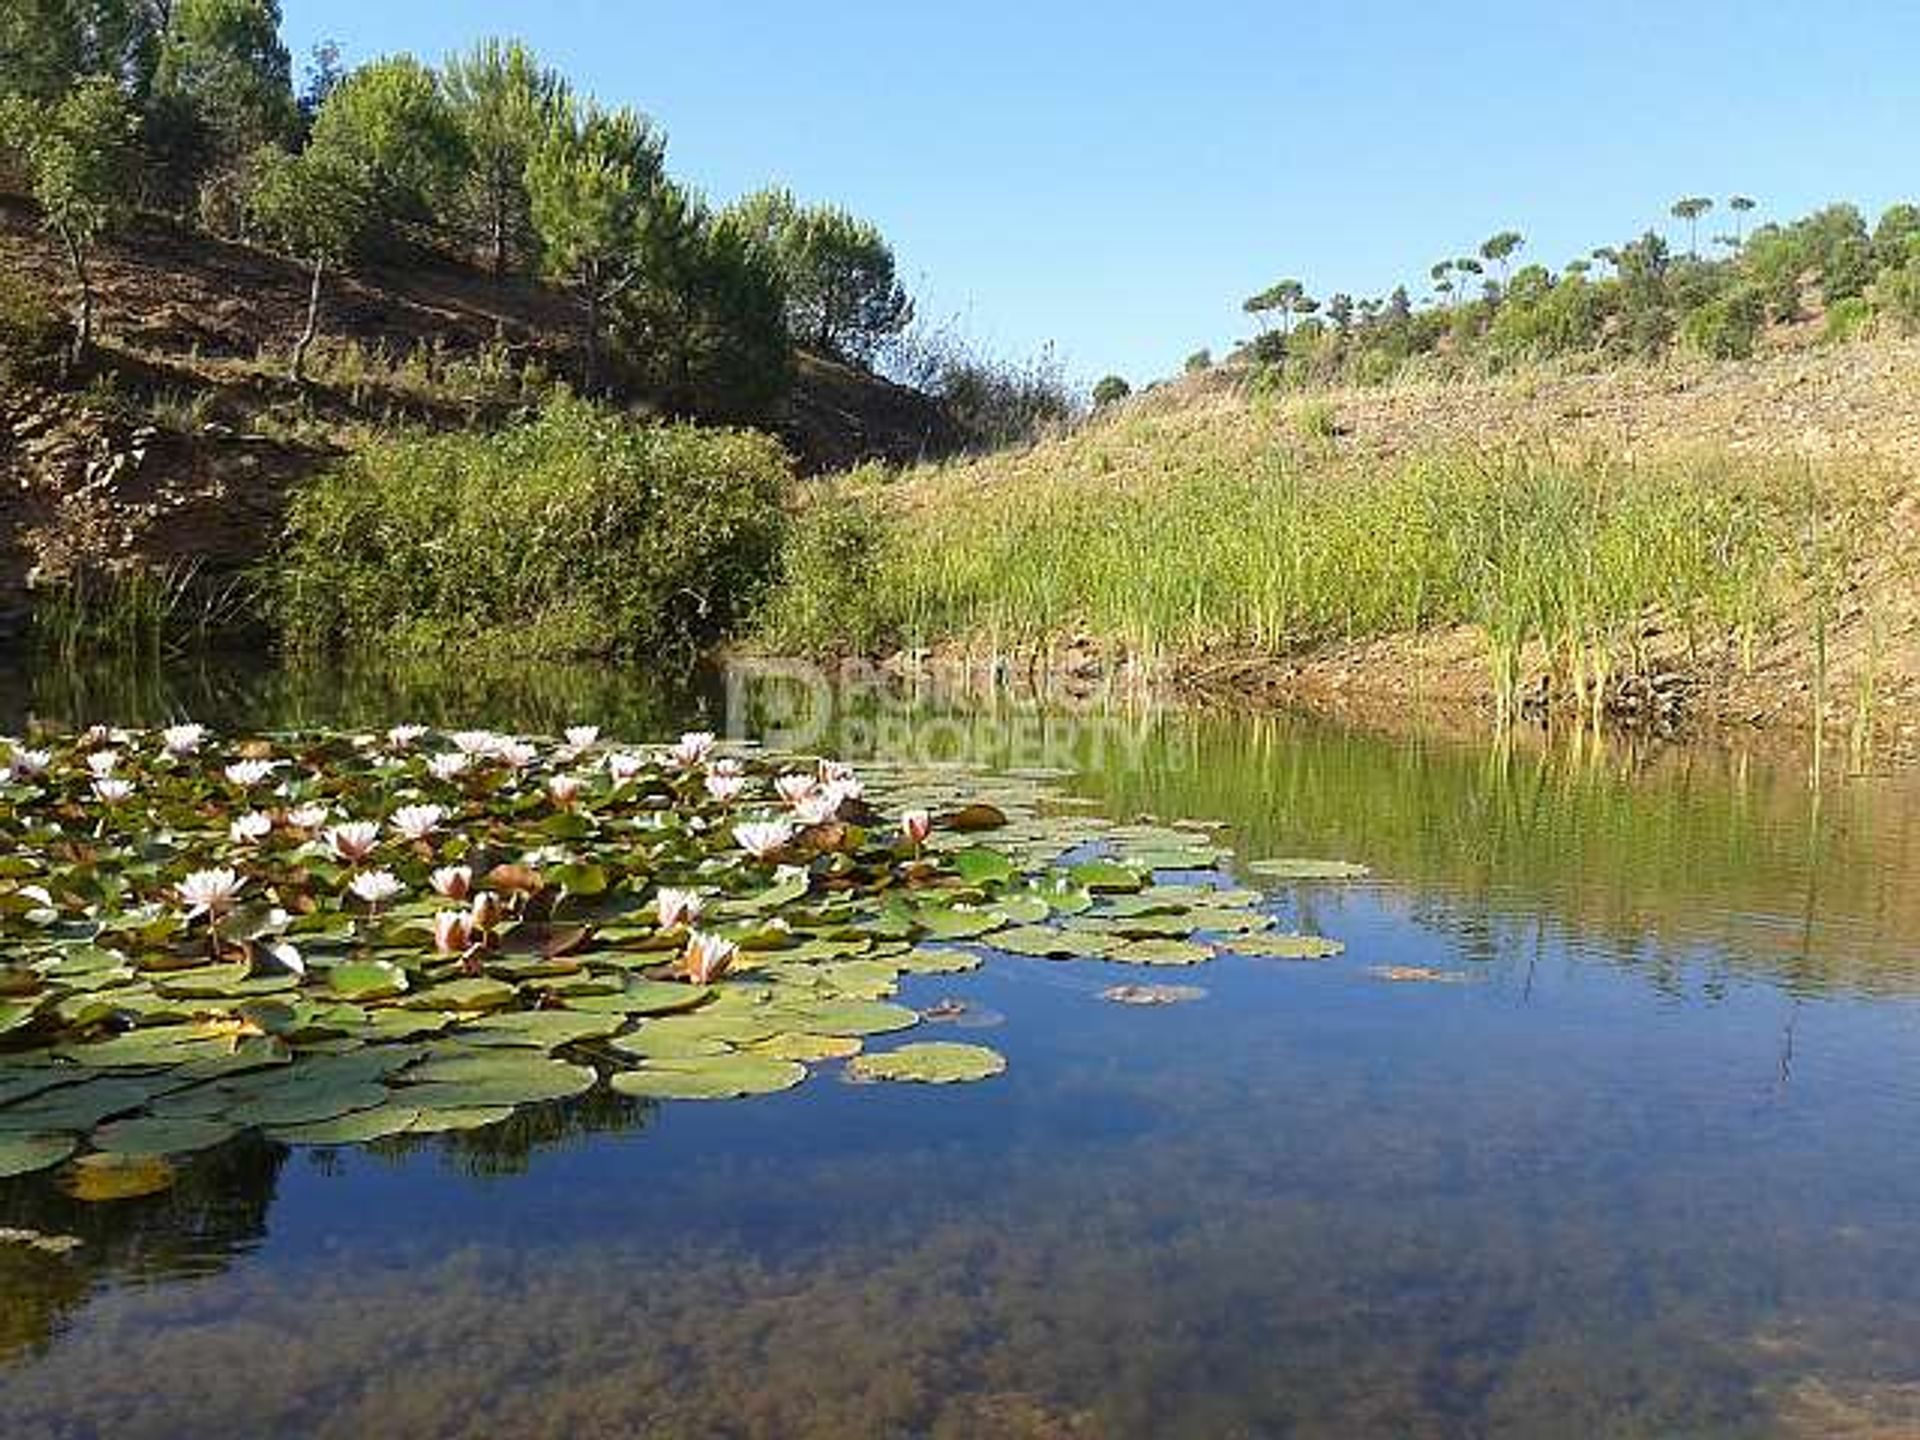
{"x":1848,"y":319}
{"x":1725,"y":328}
{"x":577,"y":532}
{"x":32,"y":332}
{"x":829,"y":599}
{"x":1111,"y":390}
{"x":1896,"y":294}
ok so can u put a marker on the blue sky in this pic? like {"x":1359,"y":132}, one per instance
{"x":1114,"y":178}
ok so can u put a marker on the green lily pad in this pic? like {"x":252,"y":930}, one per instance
{"x":1101,"y":876}
{"x":467,"y":1117}
{"x":1284,"y":947}
{"x":374,"y":1123}
{"x":1299,"y":869}
{"x":147,"y":1136}
{"x":368,"y":980}
{"x":719,"y":1077}
{"x":539,"y":1029}
{"x":1046,"y":943}
{"x":497,"y":1077}
{"x":1161,"y":952}
{"x":934,"y":1062}
{"x":22,"y":1154}
{"x":938,"y":960}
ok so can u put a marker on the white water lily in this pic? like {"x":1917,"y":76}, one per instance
{"x":111,"y":791}
{"x":453,"y":932}
{"x":376,"y":887}
{"x":353,"y":841}
{"x":794,"y":788}
{"x":763,"y":838}
{"x":402,"y":737}
{"x":101,"y":762}
{"x":26,"y":764}
{"x":582,"y":737}
{"x":308,"y":817}
{"x":817,"y":808}
{"x":916,"y":825}
{"x":251,"y":828}
{"x":725,"y":788}
{"x":487,"y":912}
{"x":623,"y":765}
{"x":693,"y":747}
{"x":517,"y":754}
{"x":455,"y":882}
{"x":209,"y":892}
{"x":417,"y":822}
{"x":248,"y":773}
{"x":677,"y":907}
{"x":289,"y":956}
{"x":708,"y":957}
{"x":450,"y":766}
{"x":182,"y":739}
{"x":479,"y":743}
{"x":565,"y":789}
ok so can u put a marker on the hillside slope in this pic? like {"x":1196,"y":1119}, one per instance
{"x":1329,"y":546}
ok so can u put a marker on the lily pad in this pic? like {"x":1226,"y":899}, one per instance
{"x":933,"y":1062}
{"x":719,"y":1077}
{"x":103,"y":1177}
{"x":1284,"y":947}
{"x":22,"y":1154}
{"x":148,"y":1136}
{"x":1301,"y":869}
{"x":1161,"y":952}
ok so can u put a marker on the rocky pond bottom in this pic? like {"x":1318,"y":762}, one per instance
{"x":355,"y":1088}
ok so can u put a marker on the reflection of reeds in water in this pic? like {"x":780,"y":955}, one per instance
{"x":139,"y":612}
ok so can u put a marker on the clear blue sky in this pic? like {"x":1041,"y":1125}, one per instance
{"x":1114,"y":178}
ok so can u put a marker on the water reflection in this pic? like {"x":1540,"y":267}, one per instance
{"x":1649,"y":1174}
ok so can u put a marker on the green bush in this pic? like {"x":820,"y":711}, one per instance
{"x":1896,"y":295}
{"x":1847,"y":319}
{"x":829,"y":600}
{"x":1725,"y":328}
{"x":578,"y":532}
{"x":32,"y":333}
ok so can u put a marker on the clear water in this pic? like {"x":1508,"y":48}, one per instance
{"x":1646,"y":1166}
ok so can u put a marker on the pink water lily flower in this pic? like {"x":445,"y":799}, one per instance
{"x":763,"y":838}
{"x":623,"y":765}
{"x":251,"y":828}
{"x":26,"y":764}
{"x":181,"y":740}
{"x":101,"y":762}
{"x":916,"y":825}
{"x":582,"y":737}
{"x":795,"y":788}
{"x":454,"y":882}
{"x":402,"y":737}
{"x":693,"y":747}
{"x":209,"y":892}
{"x":111,"y":791}
{"x":353,"y":841}
{"x":453,"y":932}
{"x":677,"y":907}
{"x":708,"y":957}
{"x":565,"y":789}
{"x":725,"y":788}
{"x":417,"y":822}
{"x":248,"y":773}
{"x":376,"y":887}
{"x":450,"y":766}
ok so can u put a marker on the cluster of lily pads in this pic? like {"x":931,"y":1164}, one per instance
{"x":336,"y":938}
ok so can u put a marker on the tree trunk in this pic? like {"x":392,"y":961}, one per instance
{"x":593,"y":335}
{"x":83,"y":313}
{"x":300,"y":346}
{"x":499,"y":207}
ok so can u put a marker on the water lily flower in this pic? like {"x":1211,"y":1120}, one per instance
{"x":353,"y":841}
{"x":209,"y":892}
{"x":817,"y":808}
{"x":26,"y":764}
{"x":101,"y":762}
{"x":182,"y":739}
{"x":795,"y":787}
{"x":693,"y":747}
{"x":623,"y":765}
{"x":376,"y":887}
{"x":417,"y":822}
{"x":487,"y":912}
{"x":582,"y":737}
{"x":251,"y":828}
{"x":916,"y":825}
{"x":248,"y":773}
{"x":455,"y":882}
{"x":480,"y":743}
{"x":308,"y":817}
{"x":517,"y":754}
{"x":289,"y":956}
{"x":565,"y":789}
{"x":111,"y":791}
{"x":450,"y":766}
{"x":763,"y":838}
{"x":453,"y":932}
{"x":677,"y":907}
{"x":708,"y":957}
{"x":402,"y":737}
{"x":725,"y":788}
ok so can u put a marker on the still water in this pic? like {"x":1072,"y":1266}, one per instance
{"x":1641,"y":1158}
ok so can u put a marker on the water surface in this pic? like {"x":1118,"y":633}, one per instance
{"x":1641,"y":1162}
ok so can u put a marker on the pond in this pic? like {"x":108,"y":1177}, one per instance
{"x":1605,"y":1123}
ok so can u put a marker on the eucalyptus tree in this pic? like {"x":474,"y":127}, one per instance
{"x":503,"y":100}
{"x":78,"y":154}
{"x":589,"y":183}
{"x":1690,"y":209}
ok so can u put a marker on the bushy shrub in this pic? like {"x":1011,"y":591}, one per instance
{"x":1896,"y":296}
{"x":829,"y":600}
{"x":1725,"y":328}
{"x":1847,"y":319}
{"x":1111,"y":390}
{"x":32,"y":332}
{"x":578,"y":532}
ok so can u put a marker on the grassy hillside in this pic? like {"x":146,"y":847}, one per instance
{"x":1733,"y":537}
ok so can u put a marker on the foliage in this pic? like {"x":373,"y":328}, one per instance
{"x":1847,"y":319}
{"x":843,"y":294}
{"x":503,"y":101}
{"x":223,"y":86}
{"x":1725,"y":328}
{"x":589,"y":182}
{"x":828,"y":598}
{"x":576,"y":532}
{"x":314,"y":206}
{"x":389,"y":122}
{"x":703,"y":326}
{"x":1110,"y":390}
{"x":32,"y":334}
